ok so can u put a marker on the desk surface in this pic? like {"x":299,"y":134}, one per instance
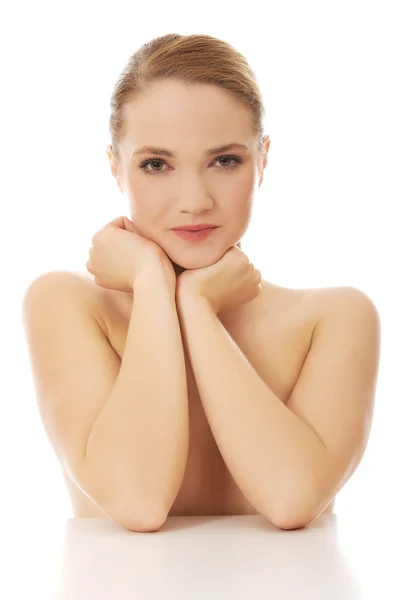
{"x":193,"y":558}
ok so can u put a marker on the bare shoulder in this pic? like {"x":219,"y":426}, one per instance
{"x":108,"y":307}
{"x":325,"y":306}
{"x":326,"y":300}
{"x":78,"y":283}
{"x":318,"y":303}
{"x":74,"y":278}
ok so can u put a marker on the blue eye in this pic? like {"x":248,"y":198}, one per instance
{"x":156,"y":159}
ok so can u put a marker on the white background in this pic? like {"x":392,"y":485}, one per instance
{"x":326,"y":214}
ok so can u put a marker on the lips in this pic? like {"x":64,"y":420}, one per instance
{"x":194,"y":227}
{"x":193,"y":236}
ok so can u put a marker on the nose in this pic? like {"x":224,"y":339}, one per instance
{"x":195,"y":199}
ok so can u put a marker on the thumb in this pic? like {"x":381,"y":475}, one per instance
{"x":128,"y":225}
{"x":123,"y":223}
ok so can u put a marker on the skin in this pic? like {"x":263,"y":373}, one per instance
{"x":191,"y":187}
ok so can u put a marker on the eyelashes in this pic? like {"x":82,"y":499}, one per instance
{"x":156,"y":159}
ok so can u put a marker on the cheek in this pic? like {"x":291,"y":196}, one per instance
{"x":240,"y":209}
{"x":145,"y":204}
{"x":240,"y":201}
{"x":241,"y":189}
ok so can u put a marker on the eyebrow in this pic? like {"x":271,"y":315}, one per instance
{"x":164,"y":152}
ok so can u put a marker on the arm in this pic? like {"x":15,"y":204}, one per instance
{"x":139,"y":442}
{"x":270,"y":452}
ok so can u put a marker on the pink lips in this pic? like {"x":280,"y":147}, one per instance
{"x":193,"y":236}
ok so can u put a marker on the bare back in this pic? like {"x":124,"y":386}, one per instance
{"x":274,"y":332}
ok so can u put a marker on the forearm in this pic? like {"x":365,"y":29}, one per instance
{"x":270,"y":452}
{"x":138,"y":445}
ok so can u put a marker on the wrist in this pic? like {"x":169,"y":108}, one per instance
{"x":154,"y":275}
{"x":188,"y":298}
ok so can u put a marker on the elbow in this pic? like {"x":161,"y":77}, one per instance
{"x":139,"y":521}
{"x":140,"y":526}
{"x":295,"y":517}
{"x":296,"y":510}
{"x":131,"y":516}
{"x":133,"y":520}
{"x":137,"y":524}
{"x":122,"y":508}
{"x":293,"y":523}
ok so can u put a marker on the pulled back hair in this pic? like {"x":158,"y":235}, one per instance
{"x":192,"y":59}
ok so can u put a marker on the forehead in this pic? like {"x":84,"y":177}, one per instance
{"x":201,"y":113}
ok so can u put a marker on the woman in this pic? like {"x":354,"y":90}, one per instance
{"x":177,"y":381}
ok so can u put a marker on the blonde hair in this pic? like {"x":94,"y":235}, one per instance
{"x":193,"y":59}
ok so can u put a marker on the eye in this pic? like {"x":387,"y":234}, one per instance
{"x":150,"y":161}
{"x":236,"y":159}
{"x":230,"y":157}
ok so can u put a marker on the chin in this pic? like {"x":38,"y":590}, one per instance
{"x":195,"y":263}
{"x":198,"y":260}
{"x":189,"y":265}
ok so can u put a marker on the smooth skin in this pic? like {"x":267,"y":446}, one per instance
{"x":190,"y":187}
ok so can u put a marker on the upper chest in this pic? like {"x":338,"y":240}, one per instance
{"x":274,"y":332}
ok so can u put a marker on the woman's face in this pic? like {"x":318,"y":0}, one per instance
{"x":193,"y":185}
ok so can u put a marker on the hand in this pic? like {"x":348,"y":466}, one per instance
{"x":226,"y":284}
{"x":118,"y":254}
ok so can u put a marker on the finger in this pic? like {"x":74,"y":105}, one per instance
{"x":129,"y":225}
{"x":123,"y":223}
{"x":117,"y":222}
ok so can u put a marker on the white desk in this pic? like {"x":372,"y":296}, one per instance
{"x":207,"y":558}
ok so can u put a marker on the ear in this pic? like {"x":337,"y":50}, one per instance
{"x":114,"y":166}
{"x":264,"y":159}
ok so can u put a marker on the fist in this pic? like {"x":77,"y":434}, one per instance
{"x":119,"y":254}
{"x":226,"y":284}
